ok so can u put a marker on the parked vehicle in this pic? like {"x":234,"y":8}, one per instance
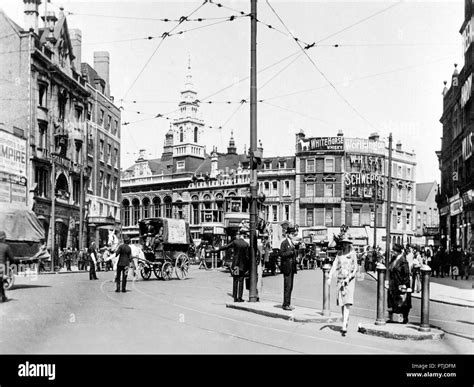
{"x":25,"y":236}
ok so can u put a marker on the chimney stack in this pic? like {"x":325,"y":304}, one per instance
{"x":101,"y":65}
{"x":76,"y":41}
{"x":399,"y":145}
{"x":31,"y":14}
{"x":340,"y":133}
{"x":374,"y":136}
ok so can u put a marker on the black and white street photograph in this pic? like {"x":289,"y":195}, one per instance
{"x":236,"y":177}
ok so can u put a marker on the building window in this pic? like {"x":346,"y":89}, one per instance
{"x":399,"y":171}
{"x":408,"y":219}
{"x":409,"y":173}
{"x":107,"y":187}
{"x":89,"y":116}
{"x":116,"y":157}
{"x":109,"y":154}
{"x":329,"y":164}
{"x":310,"y":166}
{"x":109,"y":120}
{"x":275,"y":188}
{"x":101,"y":182}
{"x":309,"y":190}
{"x":329,"y":217}
{"x":196,"y":134}
{"x":101,"y":119}
{"x":274,"y":213}
{"x":286,"y":189}
{"x":136,"y":211}
{"x":76,"y":192}
{"x":267,"y":165}
{"x":126,"y":213}
{"x":115,"y":190}
{"x":329,"y":190}
{"x":356,"y":217}
{"x":181,"y":134}
{"x":418,"y":219}
{"x":146,"y":207}
{"x":156,"y":207}
{"x":266,"y":188}
{"x":399,"y":194}
{"x":287,"y":212}
{"x":41,"y":180}
{"x":43,"y":135}
{"x":101,"y":150}
{"x":168,"y":207}
{"x":282,"y":164}
{"x":114,"y":127}
{"x":180,"y":165}
{"x":195,"y":210}
{"x":42,"y":92}
{"x":309,"y":217}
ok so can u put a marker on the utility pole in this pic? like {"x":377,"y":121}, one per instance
{"x":375,"y":215}
{"x":253,"y":148}
{"x":389,"y":202}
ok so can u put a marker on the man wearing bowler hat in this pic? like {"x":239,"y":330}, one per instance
{"x":399,"y":290}
{"x":288,"y":266}
{"x":240,"y":263}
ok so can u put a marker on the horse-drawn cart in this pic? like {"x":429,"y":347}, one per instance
{"x":165,"y":246}
{"x":25,"y":236}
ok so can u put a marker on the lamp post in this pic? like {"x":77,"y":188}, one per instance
{"x":389,"y":212}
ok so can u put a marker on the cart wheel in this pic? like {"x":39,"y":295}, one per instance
{"x":9,"y":280}
{"x":166,"y":271}
{"x":145,"y":272}
{"x":181,"y":266}
{"x":157,"y":270}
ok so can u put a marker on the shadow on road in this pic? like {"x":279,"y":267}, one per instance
{"x":465,"y":322}
{"x":336,"y":328}
{"x":28,"y":286}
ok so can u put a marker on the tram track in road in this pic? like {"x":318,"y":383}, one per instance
{"x":266,"y":328}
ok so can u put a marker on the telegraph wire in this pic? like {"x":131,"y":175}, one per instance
{"x":182,"y":19}
{"x":166,"y":20}
{"x":320,"y":72}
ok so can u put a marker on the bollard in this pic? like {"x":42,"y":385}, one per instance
{"x":381,"y":269}
{"x":425,"y":298}
{"x":326,"y":290}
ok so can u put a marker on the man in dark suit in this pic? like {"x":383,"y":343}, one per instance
{"x":288,"y":267}
{"x":124,"y":253}
{"x":240,"y":264}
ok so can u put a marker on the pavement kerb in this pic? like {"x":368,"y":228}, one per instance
{"x":400,"y":331}
{"x":418,"y":296}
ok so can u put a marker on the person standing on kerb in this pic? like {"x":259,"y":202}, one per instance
{"x":240,"y":264}
{"x":6,"y":256}
{"x":345,"y":265}
{"x":288,"y":267}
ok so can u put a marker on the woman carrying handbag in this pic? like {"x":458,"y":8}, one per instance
{"x":345,"y":265}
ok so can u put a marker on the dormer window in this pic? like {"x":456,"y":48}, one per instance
{"x":282,"y":164}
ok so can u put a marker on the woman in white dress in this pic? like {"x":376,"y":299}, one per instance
{"x":345,"y":265}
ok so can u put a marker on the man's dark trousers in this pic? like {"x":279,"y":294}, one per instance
{"x":238,"y":287}
{"x":287,"y":288}
{"x":121,"y":270}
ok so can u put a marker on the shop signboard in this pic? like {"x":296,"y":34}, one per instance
{"x":456,"y":207}
{"x":364,"y":145}
{"x":12,"y":154}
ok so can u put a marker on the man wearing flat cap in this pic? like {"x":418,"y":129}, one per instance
{"x":288,"y":266}
{"x":6,"y":256}
{"x":399,"y":291}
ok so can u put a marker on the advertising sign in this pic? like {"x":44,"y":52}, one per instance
{"x":321,"y":144}
{"x":466,"y":91}
{"x":12,"y":154}
{"x":361,"y":185}
{"x":363,"y":145}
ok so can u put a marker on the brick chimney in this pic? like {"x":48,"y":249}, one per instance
{"x":101,"y":65}
{"x":76,"y":41}
{"x":31,"y":14}
{"x":374,"y":136}
{"x":399,"y":145}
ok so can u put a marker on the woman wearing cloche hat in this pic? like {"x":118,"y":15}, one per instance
{"x":345,"y":264}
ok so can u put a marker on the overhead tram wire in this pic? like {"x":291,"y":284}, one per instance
{"x":166,"y":33}
{"x":165,"y":20}
{"x":320,"y":72}
{"x":360,"y":78}
{"x":181,"y":20}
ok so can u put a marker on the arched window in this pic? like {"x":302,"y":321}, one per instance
{"x":206,"y":215}
{"x":156,"y":207}
{"x":179,"y":209}
{"x":181,"y":134}
{"x":62,"y":187}
{"x":195,"y":134}
{"x":136,"y":211}
{"x":126,"y":212}
{"x":146,"y":207}
{"x":168,"y":207}
{"x":195,"y":208}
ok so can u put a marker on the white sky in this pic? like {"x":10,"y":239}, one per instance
{"x":420,"y":40}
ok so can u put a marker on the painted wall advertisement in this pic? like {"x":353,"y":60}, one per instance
{"x":321,"y":144}
{"x":12,"y":168}
{"x":362,"y":145}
